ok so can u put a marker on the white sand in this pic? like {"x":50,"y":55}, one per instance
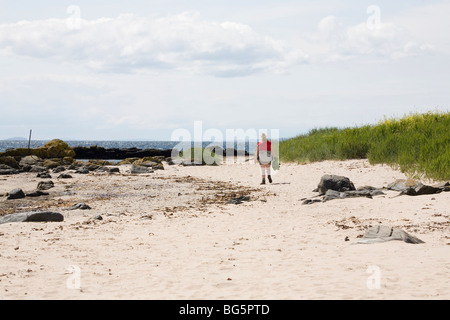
{"x":158,"y":241}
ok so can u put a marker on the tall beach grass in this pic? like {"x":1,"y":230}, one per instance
{"x":417,"y":144}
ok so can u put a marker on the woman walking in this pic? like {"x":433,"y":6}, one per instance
{"x":264,"y":157}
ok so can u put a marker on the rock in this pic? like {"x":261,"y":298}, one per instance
{"x":45,"y":185}
{"x":421,"y":190}
{"x":58,"y":149}
{"x":59,"y":169}
{"x":362,"y":193}
{"x":44,"y":175}
{"x":16,"y":194}
{"x":64,"y":176}
{"x":37,"y":193}
{"x":10,"y":161}
{"x":445,"y":186}
{"x":239,"y":200}
{"x":150,"y":162}
{"x":51,"y":164}
{"x":332,"y":195}
{"x":140,"y":169}
{"x":45,"y":216}
{"x":108,"y":170}
{"x":99,"y":162}
{"x":413,"y":187}
{"x":382,"y":233}
{"x":336,"y":183}
{"x":30,"y":161}
{"x":38,"y":169}
{"x":95,"y":152}
{"x":82,"y":170}
{"x":311,"y":201}
{"x":80,"y":206}
{"x":404,"y":184}
{"x":7,"y":170}
{"x":53,"y":149}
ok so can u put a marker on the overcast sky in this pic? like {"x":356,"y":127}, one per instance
{"x":124,"y":70}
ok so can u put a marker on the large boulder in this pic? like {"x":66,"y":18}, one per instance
{"x":32,"y":217}
{"x":336,"y":183}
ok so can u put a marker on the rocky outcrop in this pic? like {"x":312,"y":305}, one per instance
{"x":53,"y":149}
{"x":95,"y":152}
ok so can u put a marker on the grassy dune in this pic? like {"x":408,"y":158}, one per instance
{"x":418,"y":144}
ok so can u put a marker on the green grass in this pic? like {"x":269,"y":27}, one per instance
{"x":418,"y":144}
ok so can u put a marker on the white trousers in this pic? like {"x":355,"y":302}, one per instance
{"x":265,"y":170}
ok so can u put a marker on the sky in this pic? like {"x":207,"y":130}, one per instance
{"x":140,"y":70}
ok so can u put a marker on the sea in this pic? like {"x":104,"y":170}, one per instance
{"x":163,"y":145}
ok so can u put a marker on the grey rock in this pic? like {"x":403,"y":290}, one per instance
{"x":140,"y":169}
{"x":383,"y":233}
{"x":81,"y":206}
{"x":82,"y":170}
{"x":45,"y":185}
{"x":7,"y":170}
{"x":108,"y":169}
{"x":64,"y":176}
{"x":336,"y":183}
{"x":311,"y":201}
{"x":37,"y":193}
{"x":331,"y":195}
{"x":44,"y":175}
{"x":16,"y":194}
{"x":59,"y":169}
{"x":412,"y":187}
{"x":45,"y":216}
{"x":239,"y":200}
{"x":30,"y":161}
{"x":38,"y":169}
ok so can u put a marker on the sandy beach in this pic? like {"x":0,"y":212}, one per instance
{"x":172,"y":235}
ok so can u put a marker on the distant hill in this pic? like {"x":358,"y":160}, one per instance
{"x":16,"y":139}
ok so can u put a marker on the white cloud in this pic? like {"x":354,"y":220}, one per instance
{"x":337,"y":41}
{"x":132,"y":44}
